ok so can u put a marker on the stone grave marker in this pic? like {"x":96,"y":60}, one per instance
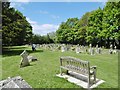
{"x":63,"y":48}
{"x":110,"y":50}
{"x":24,"y":60}
{"x":77,"y":49}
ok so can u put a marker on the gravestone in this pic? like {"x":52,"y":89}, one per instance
{"x":24,"y":60}
{"x":77,"y":49}
{"x":62,"y":48}
{"x":115,"y":50}
{"x":110,"y":50}
{"x":15,"y":82}
{"x":91,"y":50}
{"x":97,"y":49}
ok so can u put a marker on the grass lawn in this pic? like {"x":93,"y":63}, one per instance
{"x":42,"y":73}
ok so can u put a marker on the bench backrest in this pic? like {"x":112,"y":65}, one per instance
{"x":75,"y":65}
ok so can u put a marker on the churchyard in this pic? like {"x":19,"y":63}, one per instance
{"x":42,"y":73}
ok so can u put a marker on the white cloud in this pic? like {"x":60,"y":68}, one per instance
{"x":42,"y":29}
{"x":30,"y":21}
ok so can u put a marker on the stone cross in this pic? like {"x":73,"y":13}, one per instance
{"x":24,"y":60}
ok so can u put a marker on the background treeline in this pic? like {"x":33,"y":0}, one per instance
{"x":101,"y":26}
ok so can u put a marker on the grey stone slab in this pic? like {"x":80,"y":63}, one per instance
{"x":74,"y":78}
{"x":15,"y":82}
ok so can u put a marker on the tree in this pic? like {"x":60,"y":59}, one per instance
{"x":16,"y":30}
{"x":73,"y":31}
{"x":111,"y":23}
{"x":94,"y":27}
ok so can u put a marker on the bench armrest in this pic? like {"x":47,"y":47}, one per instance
{"x":93,"y":67}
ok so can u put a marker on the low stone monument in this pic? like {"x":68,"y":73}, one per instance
{"x":26,"y":59}
{"x":15,"y":82}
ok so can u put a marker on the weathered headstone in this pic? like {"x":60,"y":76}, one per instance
{"x":110,"y":50}
{"x":63,"y":49}
{"x":77,"y":49}
{"x":99,"y":50}
{"x":24,"y":60}
{"x":91,"y":50}
{"x":115,"y":50}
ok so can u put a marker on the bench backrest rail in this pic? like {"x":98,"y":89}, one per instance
{"x":75,"y":64}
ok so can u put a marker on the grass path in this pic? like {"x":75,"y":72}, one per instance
{"x":42,"y":73}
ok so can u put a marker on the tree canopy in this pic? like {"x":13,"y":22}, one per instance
{"x":101,"y":26}
{"x":16,"y":30}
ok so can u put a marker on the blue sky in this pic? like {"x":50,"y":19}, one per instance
{"x":46,"y":17}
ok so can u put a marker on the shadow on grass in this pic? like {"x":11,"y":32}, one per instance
{"x":26,"y":66}
{"x":15,"y":47}
{"x":12,"y":52}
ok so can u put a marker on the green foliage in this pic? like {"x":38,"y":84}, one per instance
{"x":111,"y":22}
{"x":73,"y":31}
{"x":94,"y":26}
{"x":16,"y":29}
{"x":38,"y":39}
{"x":101,"y":26}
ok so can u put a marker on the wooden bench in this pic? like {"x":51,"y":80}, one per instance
{"x":78,"y":66}
{"x":26,"y":58}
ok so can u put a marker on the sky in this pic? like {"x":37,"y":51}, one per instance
{"x":46,"y":17}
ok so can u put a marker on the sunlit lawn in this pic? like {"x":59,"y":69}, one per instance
{"x":42,"y":73}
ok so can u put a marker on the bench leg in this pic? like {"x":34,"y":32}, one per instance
{"x":88,"y":82}
{"x":67,"y":72}
{"x":94,"y":77}
{"x":61,"y":71}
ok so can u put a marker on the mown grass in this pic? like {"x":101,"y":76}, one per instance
{"x":42,"y":73}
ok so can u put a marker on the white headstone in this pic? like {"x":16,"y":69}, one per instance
{"x":24,"y":60}
{"x":77,"y":49}
{"x":92,"y":51}
{"x":63,"y":48}
{"x":115,"y":50}
{"x":99,"y":50}
{"x":110,"y":50}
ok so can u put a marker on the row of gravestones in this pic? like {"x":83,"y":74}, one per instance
{"x":77,"y":48}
